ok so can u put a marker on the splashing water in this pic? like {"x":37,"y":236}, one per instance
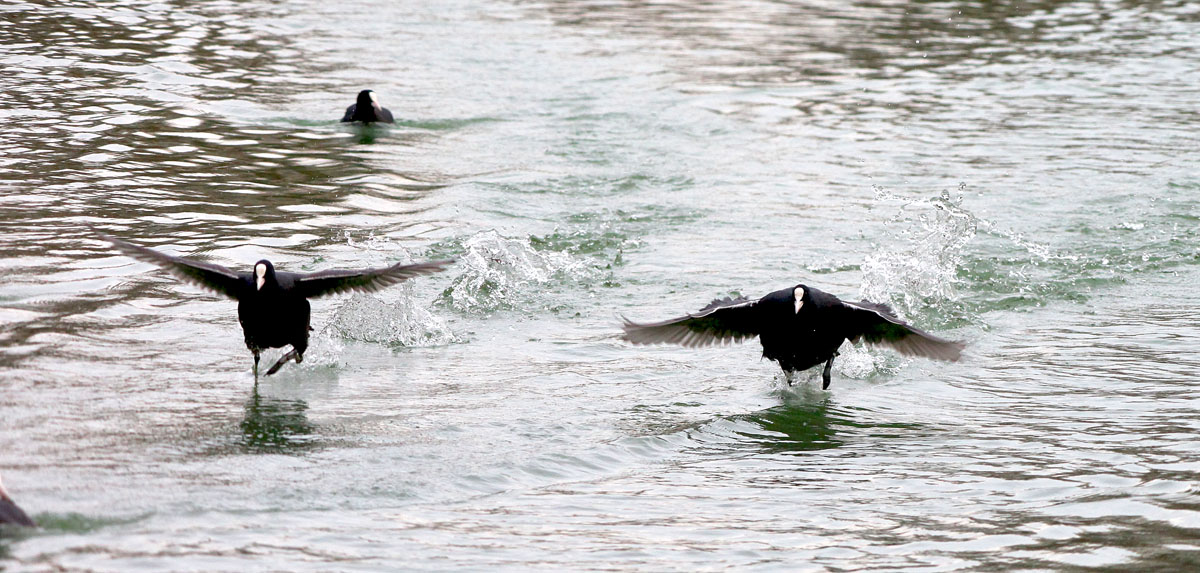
{"x":857,"y":361}
{"x":406,"y":322}
{"x":372,"y":242}
{"x":854,"y":361}
{"x":499,"y":270}
{"x":918,"y":267}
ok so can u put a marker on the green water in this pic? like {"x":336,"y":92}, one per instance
{"x":1017,"y":175}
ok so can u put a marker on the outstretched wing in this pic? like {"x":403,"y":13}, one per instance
{"x":876,"y":324}
{"x":213,"y":277}
{"x":721,"y":322}
{"x":366,"y":280}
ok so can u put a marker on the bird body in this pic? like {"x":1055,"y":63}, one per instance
{"x":367,"y":110}
{"x":792,"y":338}
{"x":273,"y":306}
{"x":799,"y":327}
{"x":275,"y":315}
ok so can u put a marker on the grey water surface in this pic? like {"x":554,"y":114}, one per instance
{"x":1019,"y":175}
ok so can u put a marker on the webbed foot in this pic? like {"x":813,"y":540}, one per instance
{"x":283,"y":360}
{"x":826,"y":374}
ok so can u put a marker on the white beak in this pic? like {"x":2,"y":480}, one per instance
{"x":261,"y":271}
{"x":799,"y":296}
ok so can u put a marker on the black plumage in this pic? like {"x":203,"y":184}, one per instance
{"x":273,"y":305}
{"x":367,"y":110}
{"x":799,"y":327}
{"x":10,"y":513}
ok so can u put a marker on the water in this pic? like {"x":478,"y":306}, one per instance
{"x":1021,"y":177}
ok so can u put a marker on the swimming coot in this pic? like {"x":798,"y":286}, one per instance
{"x":367,"y":110}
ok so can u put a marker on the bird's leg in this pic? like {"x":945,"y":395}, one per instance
{"x":789,"y":376}
{"x":825,"y":375}
{"x":255,"y":364}
{"x":282,"y":359}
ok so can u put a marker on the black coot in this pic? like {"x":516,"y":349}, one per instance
{"x":367,"y":110}
{"x":273,"y":305}
{"x":799,"y":327}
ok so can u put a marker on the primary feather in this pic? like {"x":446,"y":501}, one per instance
{"x":335,"y":281}
{"x":210,"y":276}
{"x":879,"y":325}
{"x":722,"y":321}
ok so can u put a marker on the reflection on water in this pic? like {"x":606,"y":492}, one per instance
{"x":366,"y":134}
{"x":797,"y":428}
{"x":809,"y":426}
{"x":738,"y":42}
{"x":276,"y":425}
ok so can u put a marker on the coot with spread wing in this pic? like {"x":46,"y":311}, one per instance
{"x":799,"y":327}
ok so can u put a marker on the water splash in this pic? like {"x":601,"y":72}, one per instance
{"x":918,"y":265}
{"x":856,"y":361}
{"x":405,"y":322}
{"x":922,"y":268}
{"x":372,"y":242}
{"x":396,"y":317}
{"x":499,"y":270}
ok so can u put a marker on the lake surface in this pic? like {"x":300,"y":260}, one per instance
{"x":1022,"y":177}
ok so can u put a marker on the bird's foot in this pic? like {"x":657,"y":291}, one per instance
{"x":826,"y":375}
{"x":283,"y":360}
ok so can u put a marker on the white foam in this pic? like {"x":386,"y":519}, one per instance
{"x":499,"y":271}
{"x":918,"y":264}
{"x":400,"y":321}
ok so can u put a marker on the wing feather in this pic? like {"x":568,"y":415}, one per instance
{"x":365,"y":280}
{"x":721,"y":322}
{"x":212,"y":277}
{"x":878,"y":325}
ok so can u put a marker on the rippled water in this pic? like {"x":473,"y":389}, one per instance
{"x":1018,"y":175}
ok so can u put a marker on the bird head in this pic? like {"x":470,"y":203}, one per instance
{"x":798,"y":295}
{"x":264,"y":271}
{"x":367,"y":98}
{"x":367,"y":108}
